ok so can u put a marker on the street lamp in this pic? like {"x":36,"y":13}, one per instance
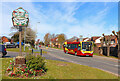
{"x":36,"y":31}
{"x":24,"y":38}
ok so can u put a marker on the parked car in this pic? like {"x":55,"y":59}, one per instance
{"x":3,"y":50}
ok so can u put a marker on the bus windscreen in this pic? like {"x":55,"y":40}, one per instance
{"x":86,"y":46}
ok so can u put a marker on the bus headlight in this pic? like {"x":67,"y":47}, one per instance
{"x":91,"y":52}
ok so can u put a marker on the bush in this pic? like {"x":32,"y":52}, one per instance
{"x":35,"y":62}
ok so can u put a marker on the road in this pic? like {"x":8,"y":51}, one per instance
{"x":107,"y":64}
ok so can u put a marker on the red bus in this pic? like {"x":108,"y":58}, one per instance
{"x":79,"y":48}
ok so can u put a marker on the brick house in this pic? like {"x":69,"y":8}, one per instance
{"x":85,"y":39}
{"x":6,"y":39}
{"x":73,"y":39}
{"x":54,"y":42}
{"x":113,"y":41}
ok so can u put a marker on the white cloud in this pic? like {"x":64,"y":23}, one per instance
{"x":55,"y":20}
{"x":60,"y":1}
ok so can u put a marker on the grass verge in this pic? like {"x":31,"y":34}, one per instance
{"x":64,"y":70}
{"x":57,"y":48}
{"x":27,"y":50}
{"x":105,"y":56}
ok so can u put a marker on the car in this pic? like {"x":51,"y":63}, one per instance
{"x":17,"y":44}
{"x":3,"y":50}
{"x":9,"y":45}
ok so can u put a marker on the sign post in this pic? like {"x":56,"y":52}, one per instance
{"x":20,"y":19}
{"x":20,"y":37}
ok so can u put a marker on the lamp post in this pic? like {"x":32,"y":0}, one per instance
{"x":36,"y":33}
{"x":24,"y":38}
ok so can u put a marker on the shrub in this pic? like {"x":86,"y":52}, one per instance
{"x":35,"y":62}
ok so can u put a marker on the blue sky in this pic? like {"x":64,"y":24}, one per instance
{"x":71,"y":18}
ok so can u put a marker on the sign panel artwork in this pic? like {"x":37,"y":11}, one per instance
{"x":20,"y":17}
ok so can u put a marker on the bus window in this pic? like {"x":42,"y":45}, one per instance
{"x":69,"y":46}
{"x":86,"y":46}
{"x":65,"y":46}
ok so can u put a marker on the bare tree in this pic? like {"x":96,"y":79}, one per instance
{"x":47,"y":38}
{"x":117,"y":34}
{"x":30,"y":35}
{"x":107,"y":40}
{"x":61,"y":39}
{"x":102,"y":42}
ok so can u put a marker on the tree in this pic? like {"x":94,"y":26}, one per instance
{"x":61,"y":39}
{"x":117,"y":34}
{"x":53,"y":40}
{"x":15,"y":37}
{"x":73,"y":38}
{"x":47,"y":38}
{"x":107,"y":40}
{"x":30,"y":36}
{"x":102,"y":42}
{"x":81,"y":37}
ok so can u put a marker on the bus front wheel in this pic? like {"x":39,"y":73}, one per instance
{"x":75,"y":53}
{"x":66,"y":52}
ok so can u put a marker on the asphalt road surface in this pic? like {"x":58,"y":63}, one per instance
{"x":103,"y":63}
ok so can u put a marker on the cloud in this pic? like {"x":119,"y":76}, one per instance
{"x":59,"y":18}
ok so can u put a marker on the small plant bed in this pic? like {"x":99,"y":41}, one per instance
{"x":35,"y":66}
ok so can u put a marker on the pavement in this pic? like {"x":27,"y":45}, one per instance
{"x":104,"y":63}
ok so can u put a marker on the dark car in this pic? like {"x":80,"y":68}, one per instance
{"x":3,"y":50}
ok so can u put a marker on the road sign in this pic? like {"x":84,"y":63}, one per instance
{"x":20,"y":17}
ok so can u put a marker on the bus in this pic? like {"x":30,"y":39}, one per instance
{"x":79,"y":48}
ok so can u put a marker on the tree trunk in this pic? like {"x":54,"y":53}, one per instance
{"x":108,"y":50}
{"x":101,"y":51}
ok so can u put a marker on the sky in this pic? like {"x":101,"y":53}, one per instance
{"x":71,"y":18}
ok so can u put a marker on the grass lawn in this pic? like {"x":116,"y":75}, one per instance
{"x":26,"y":50}
{"x":65,"y":70}
{"x":58,"y":48}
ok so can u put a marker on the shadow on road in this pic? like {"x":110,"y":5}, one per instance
{"x":6,"y":57}
{"x":78,"y":55}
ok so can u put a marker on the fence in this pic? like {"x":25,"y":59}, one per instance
{"x":113,"y":51}
{"x":40,"y":51}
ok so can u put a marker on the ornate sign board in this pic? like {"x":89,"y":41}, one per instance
{"x":20,"y":17}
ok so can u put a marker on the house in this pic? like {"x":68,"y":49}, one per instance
{"x":113,"y":41}
{"x":86,"y":39}
{"x":6,"y":39}
{"x":73,"y":39}
{"x":54,"y":42}
{"x":96,"y":39}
